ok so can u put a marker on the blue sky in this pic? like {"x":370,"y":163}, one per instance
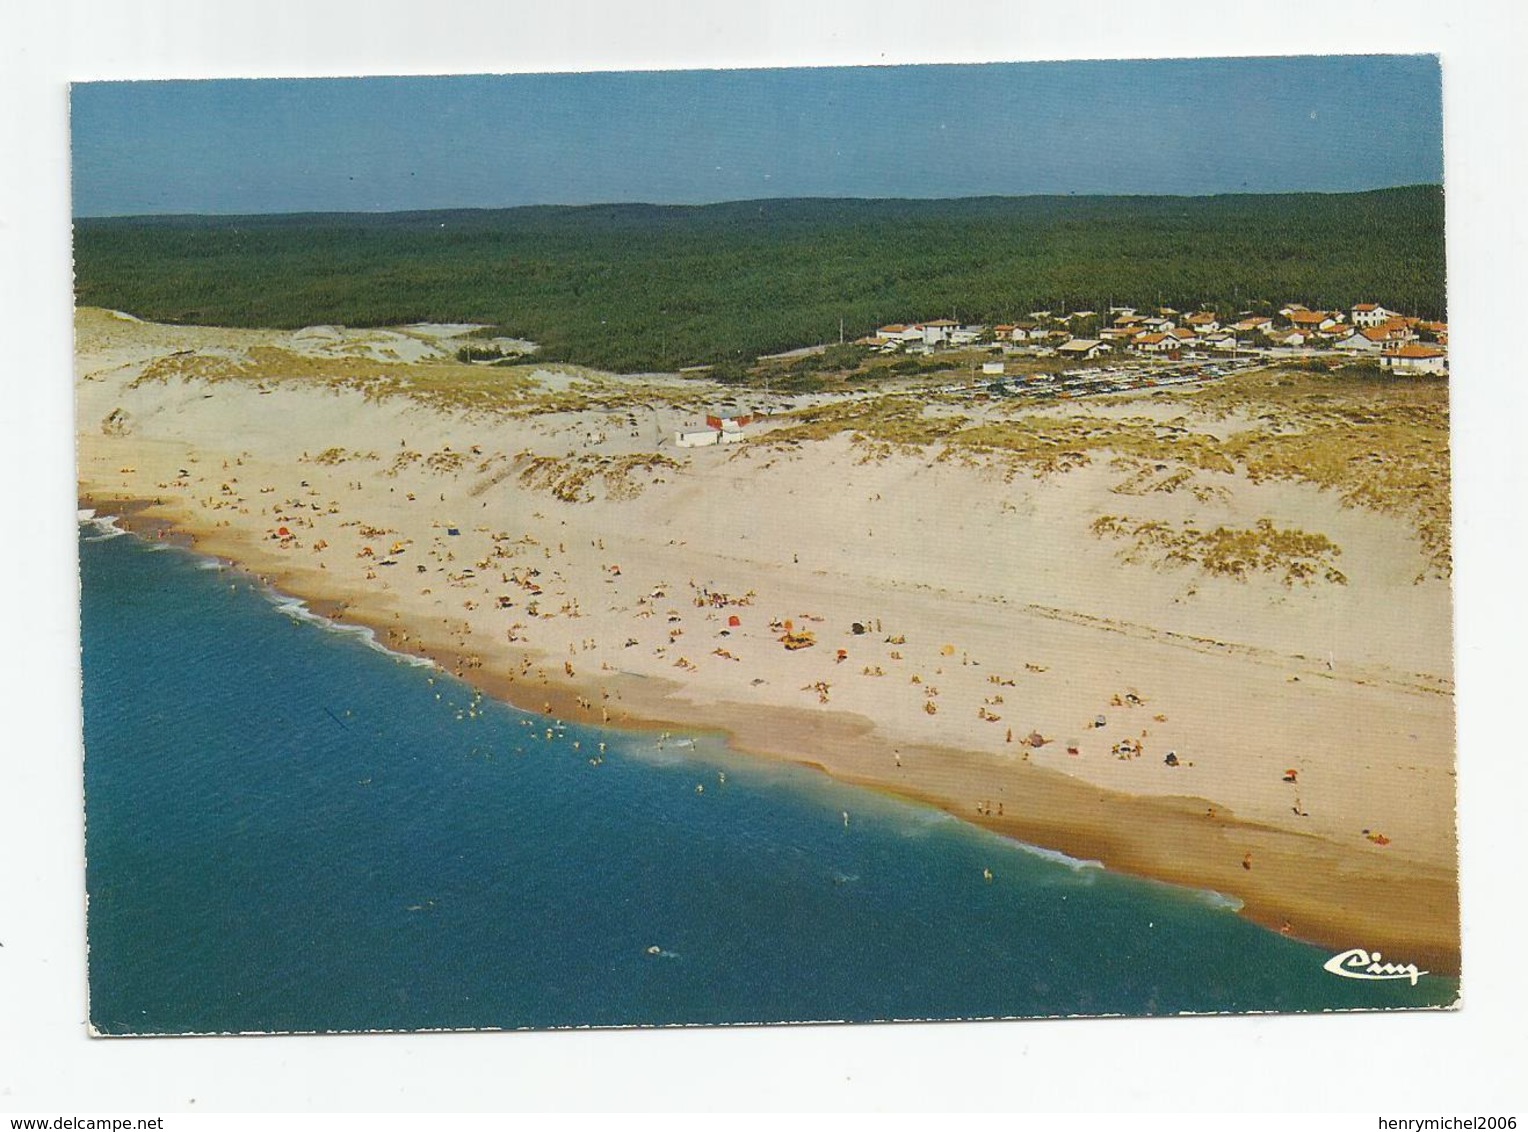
{"x":383,"y":144}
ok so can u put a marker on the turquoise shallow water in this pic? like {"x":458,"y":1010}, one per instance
{"x":290,"y":829}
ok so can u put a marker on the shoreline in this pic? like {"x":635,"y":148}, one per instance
{"x":1190,"y":839}
{"x":1215,"y":706}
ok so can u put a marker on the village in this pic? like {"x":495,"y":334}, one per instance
{"x":1399,"y":343}
{"x":1132,"y":349}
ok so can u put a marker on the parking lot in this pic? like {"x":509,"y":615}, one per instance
{"x":1094,"y":380}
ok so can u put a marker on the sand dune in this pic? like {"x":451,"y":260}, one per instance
{"x":972,"y":627}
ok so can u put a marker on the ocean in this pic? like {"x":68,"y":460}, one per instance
{"x":291,"y":829}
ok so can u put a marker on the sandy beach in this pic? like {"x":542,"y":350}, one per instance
{"x":983,"y":636}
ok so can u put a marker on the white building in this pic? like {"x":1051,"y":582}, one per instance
{"x":1371,"y":314}
{"x":1086,"y":348}
{"x":938,"y":332}
{"x":1157,"y":343}
{"x":1415,"y":357}
{"x":1366,"y":341}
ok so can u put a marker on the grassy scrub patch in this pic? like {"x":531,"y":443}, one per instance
{"x":333,"y":457}
{"x":568,"y":477}
{"x":886,"y":423}
{"x":445,"y":384}
{"x":1145,"y":478}
{"x":1232,"y":552}
{"x":518,"y":390}
{"x":1042,"y":444}
{"x":1377,"y":442}
{"x":1381,"y":443}
{"x":1038,"y":444}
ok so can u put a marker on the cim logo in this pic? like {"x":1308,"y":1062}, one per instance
{"x":1356,"y":963}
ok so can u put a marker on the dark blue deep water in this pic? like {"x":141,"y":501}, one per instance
{"x":289,"y":829}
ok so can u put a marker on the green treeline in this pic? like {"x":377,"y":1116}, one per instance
{"x":645,"y":287}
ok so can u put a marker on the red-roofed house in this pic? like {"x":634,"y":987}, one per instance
{"x":1367,"y":341}
{"x":1157,"y":344}
{"x":1398,"y":329}
{"x":1331,"y":333}
{"x":1414,"y":357}
{"x":1313,"y":320}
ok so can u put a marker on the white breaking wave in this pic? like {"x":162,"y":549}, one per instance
{"x":297,"y":610}
{"x":1218,"y":899}
{"x":1056,"y":857}
{"x":104,"y":526}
